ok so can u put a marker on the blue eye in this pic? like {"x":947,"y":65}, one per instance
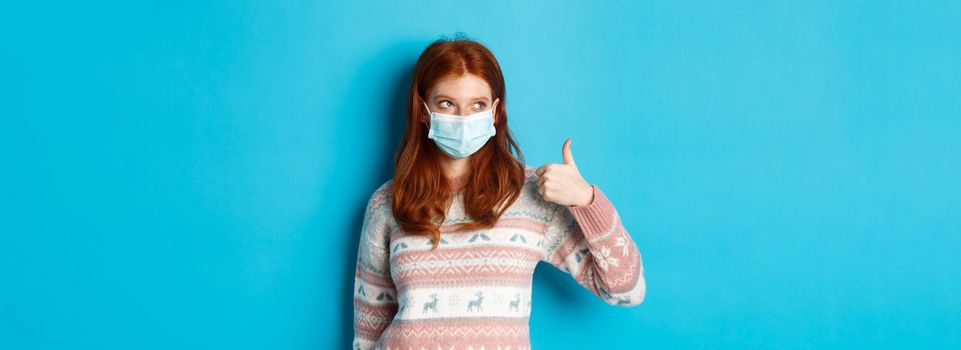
{"x":446,"y":104}
{"x":479,"y":105}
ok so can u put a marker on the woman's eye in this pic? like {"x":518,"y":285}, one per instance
{"x":479,"y":105}
{"x":446,"y":104}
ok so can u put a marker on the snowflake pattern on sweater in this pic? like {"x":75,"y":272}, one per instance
{"x":474,"y":291}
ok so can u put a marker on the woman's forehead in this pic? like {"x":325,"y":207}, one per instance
{"x":468,"y":86}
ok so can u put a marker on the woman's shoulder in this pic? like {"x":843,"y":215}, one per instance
{"x":530,"y":197}
{"x":381,"y":195}
{"x":530,"y":177}
{"x":530,"y":173}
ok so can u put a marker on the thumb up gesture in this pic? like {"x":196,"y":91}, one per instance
{"x":562,"y":183}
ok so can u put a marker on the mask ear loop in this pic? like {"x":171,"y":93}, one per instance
{"x":426,"y":108}
{"x":428,"y":111}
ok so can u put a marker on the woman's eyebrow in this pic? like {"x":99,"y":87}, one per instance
{"x":451,"y":98}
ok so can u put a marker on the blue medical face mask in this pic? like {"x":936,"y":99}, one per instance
{"x":461,"y":136}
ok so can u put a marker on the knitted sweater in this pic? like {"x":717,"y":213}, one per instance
{"x":474,"y":291}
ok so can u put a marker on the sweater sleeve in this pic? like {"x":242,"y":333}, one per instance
{"x":591,"y":244}
{"x":375,"y":297}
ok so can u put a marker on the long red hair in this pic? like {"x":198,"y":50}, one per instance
{"x":421,"y":193}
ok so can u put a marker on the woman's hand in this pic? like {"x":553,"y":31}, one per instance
{"x":562,"y":183}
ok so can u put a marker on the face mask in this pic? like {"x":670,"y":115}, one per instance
{"x":461,"y":136}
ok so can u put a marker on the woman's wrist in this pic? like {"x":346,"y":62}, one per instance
{"x":588,"y":197}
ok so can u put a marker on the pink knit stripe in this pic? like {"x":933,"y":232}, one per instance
{"x":373,"y":278}
{"x":472,"y":270}
{"x":382,"y":193}
{"x":487,"y":279}
{"x":466,"y":252}
{"x":530,"y":171}
{"x":518,"y":222}
{"x":460,"y":333}
{"x":370,"y":320}
{"x":366,"y":307}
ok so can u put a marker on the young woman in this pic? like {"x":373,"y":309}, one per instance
{"x":449,"y":245}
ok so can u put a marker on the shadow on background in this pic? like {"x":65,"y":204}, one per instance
{"x":394,"y":115}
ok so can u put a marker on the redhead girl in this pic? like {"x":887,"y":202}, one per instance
{"x":449,"y":245}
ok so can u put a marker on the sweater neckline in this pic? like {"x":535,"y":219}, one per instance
{"x":457,"y":183}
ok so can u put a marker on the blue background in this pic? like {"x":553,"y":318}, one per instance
{"x":193,"y":174}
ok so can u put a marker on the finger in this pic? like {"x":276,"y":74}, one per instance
{"x":566,"y":151}
{"x":540,"y":170}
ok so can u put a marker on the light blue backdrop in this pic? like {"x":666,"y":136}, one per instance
{"x":192,"y":174}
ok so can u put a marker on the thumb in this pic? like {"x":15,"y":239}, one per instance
{"x":566,"y":151}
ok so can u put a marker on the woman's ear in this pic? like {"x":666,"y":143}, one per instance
{"x":494,"y":108}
